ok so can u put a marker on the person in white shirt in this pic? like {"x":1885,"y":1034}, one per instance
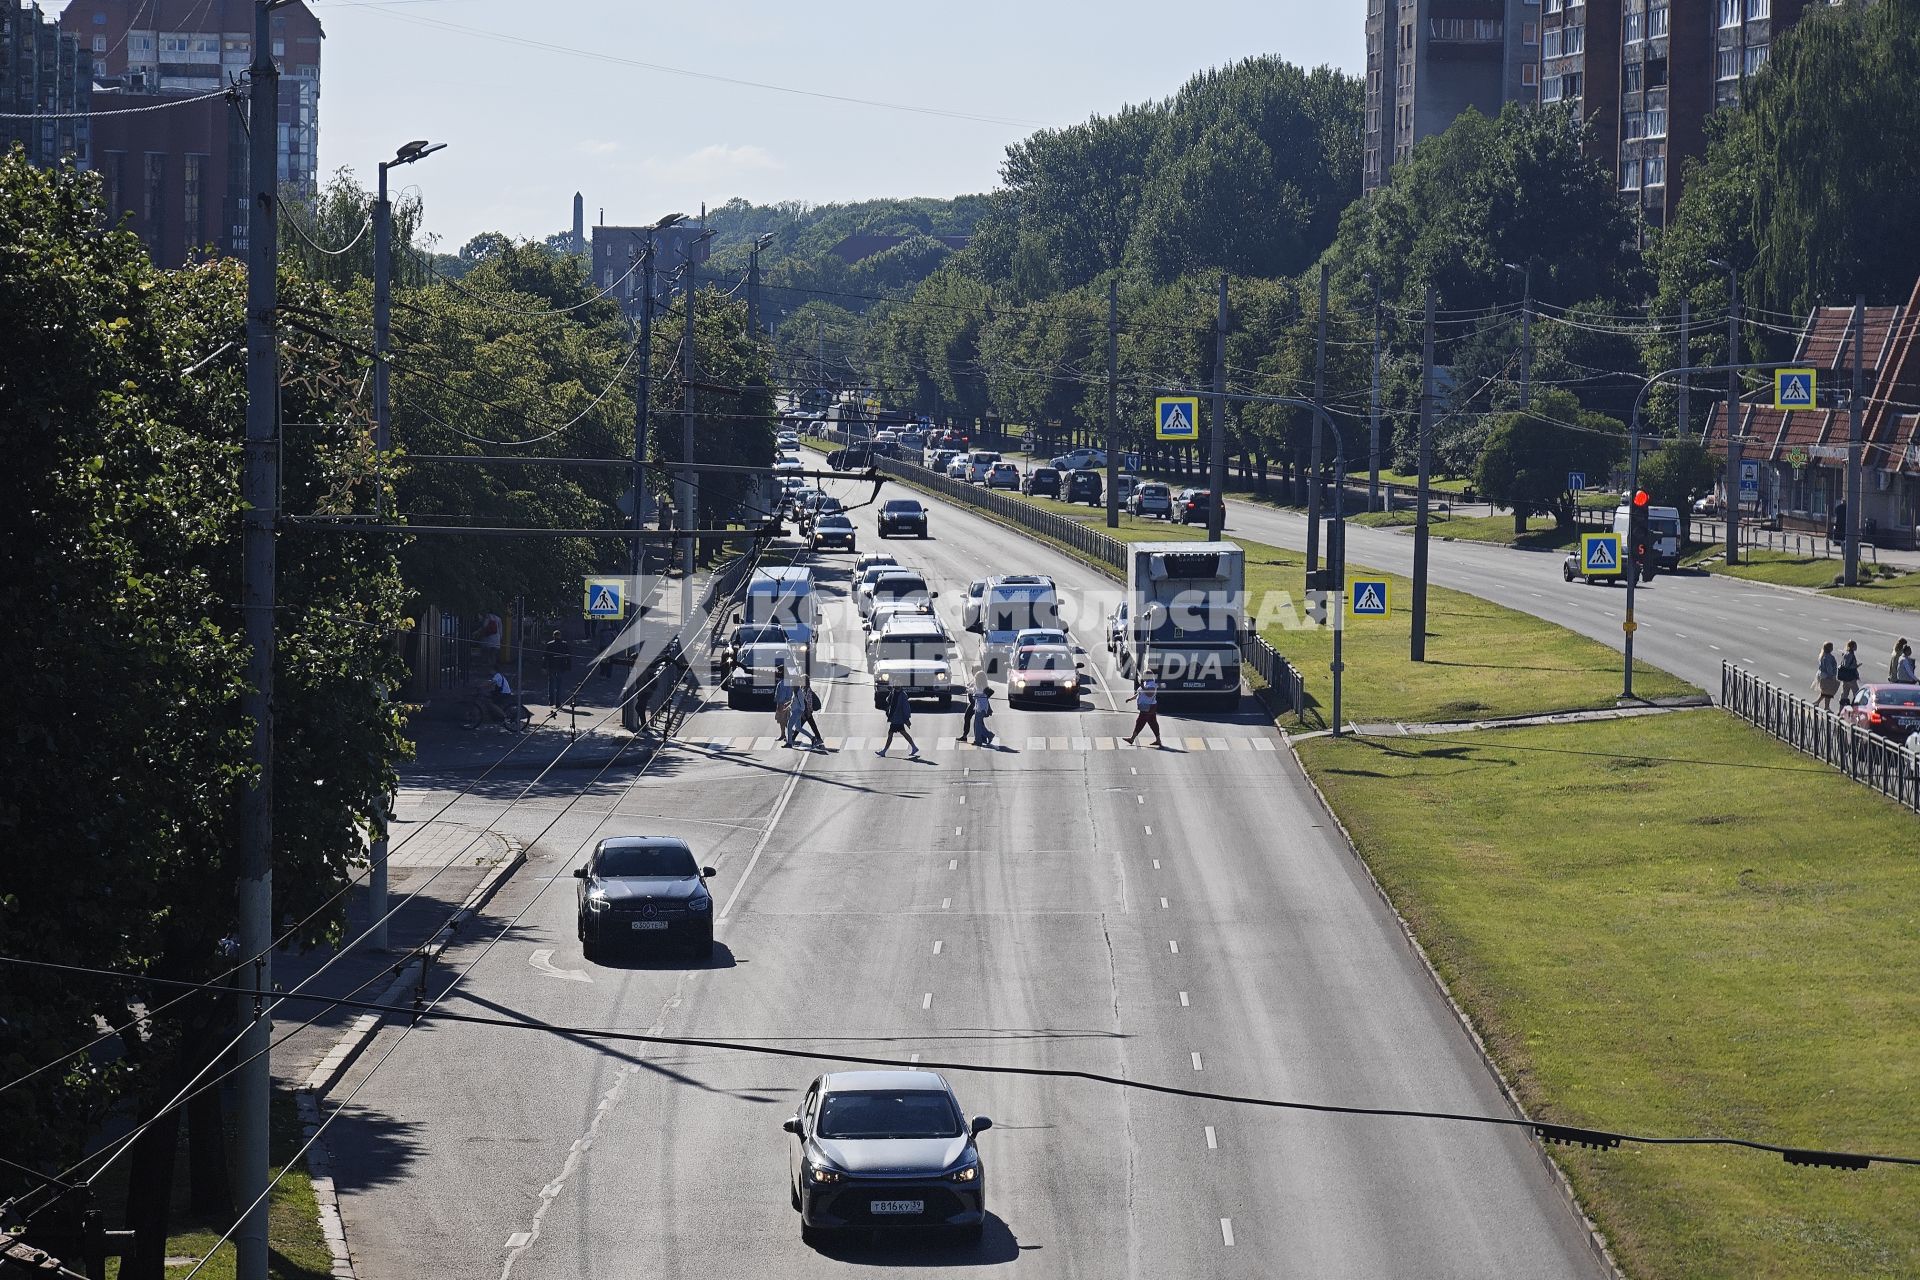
{"x":1147,"y":699}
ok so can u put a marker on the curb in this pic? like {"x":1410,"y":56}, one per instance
{"x":1596,"y":1242}
{"x":356,"y":1038}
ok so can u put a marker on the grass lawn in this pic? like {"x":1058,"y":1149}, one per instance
{"x":1482,"y":659}
{"x":1541,"y":534}
{"x":1899,"y":591}
{"x":296,"y":1250}
{"x":1656,"y":944}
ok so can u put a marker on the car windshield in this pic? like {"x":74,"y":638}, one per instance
{"x":874,"y":1113}
{"x":758,"y":633}
{"x":898,"y":585}
{"x":911,"y":508}
{"x":634,"y":861}
{"x":765,"y":657}
{"x":1153,"y":491}
{"x":835,"y":522}
{"x":1042,"y":636}
{"x":1045,"y":660}
{"x":918,"y":649}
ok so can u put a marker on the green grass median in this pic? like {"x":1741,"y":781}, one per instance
{"x":1673,"y":925}
{"x":1878,"y":585}
{"x":1541,"y":534}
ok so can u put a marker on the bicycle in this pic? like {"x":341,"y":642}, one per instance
{"x":480,"y":708}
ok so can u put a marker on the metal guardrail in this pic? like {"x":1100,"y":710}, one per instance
{"x":1888,"y":767}
{"x":1107,"y":553}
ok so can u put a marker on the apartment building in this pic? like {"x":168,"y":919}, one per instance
{"x":43,"y":70}
{"x":616,"y":250}
{"x":1430,"y":60}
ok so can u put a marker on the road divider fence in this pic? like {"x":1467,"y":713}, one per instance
{"x":1888,"y":767}
{"x":1104,"y":551}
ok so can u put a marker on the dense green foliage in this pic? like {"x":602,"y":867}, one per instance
{"x":1529,"y":452}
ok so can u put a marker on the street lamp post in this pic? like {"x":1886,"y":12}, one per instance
{"x":753,"y":285}
{"x":383,"y":441}
{"x":643,"y":395}
{"x":1732,"y":416}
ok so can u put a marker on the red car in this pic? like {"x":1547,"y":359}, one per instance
{"x":1890,"y":710}
{"x":1044,"y":673}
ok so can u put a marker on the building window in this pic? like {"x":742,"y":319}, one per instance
{"x":1657,"y":21}
{"x":1529,"y":33}
{"x":190,"y":201}
{"x":99,"y":19}
{"x":1656,"y":171}
{"x":1729,"y":13}
{"x":1759,"y":9}
{"x":1630,"y":175}
{"x":1529,"y":74}
{"x":1634,"y":28}
{"x":1631,"y":77}
{"x":1633,"y":124}
{"x":1553,"y":6}
{"x":1550,"y":89}
{"x":99,"y":44}
{"x":1729,"y":64}
{"x":1656,"y":122}
{"x":1656,"y":73}
{"x":1756,"y":58}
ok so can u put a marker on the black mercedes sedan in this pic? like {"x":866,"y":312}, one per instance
{"x":645,"y":889}
{"x":886,"y":1149}
{"x":902,"y":516}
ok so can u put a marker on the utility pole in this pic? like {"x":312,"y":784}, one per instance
{"x":1853,"y":442}
{"x":642,"y":410}
{"x":1526,"y":338}
{"x":1113,"y":403}
{"x":1686,"y":359}
{"x":1419,"y":648}
{"x":383,"y":441}
{"x":1373,"y":442}
{"x":1313,"y":453}
{"x":689,"y":501}
{"x":753,"y":286}
{"x":1732,"y":417}
{"x":253,"y":1083}
{"x":1217,"y":513}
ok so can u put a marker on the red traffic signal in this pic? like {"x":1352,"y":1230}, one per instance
{"x":1640,"y":497}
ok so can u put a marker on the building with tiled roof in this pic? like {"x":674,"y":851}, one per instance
{"x":1803,"y":452}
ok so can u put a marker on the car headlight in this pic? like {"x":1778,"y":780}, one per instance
{"x":970,"y":1173}
{"x":1069,"y":685}
{"x":883,"y":678}
{"x":940,"y":675}
{"x":700,"y":904}
{"x":596,"y":901}
{"x":823,"y":1174}
{"x":1019,"y":684}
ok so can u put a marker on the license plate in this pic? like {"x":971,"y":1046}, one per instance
{"x":899,"y":1206}
{"x":649,"y":924}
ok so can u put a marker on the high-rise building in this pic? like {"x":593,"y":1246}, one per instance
{"x":1430,"y":60}
{"x":1645,"y":75}
{"x":183,"y":47}
{"x":616,"y":254}
{"x":47,"y":72}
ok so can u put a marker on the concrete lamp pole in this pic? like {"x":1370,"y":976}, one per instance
{"x":753,"y":285}
{"x":382,"y":442}
{"x":1733,"y":415}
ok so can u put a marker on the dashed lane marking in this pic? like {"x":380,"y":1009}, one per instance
{"x":937,"y":944}
{"x":1226,"y":1231}
{"x":926,"y":1001}
{"x":1213,"y":1143}
{"x":1173,"y":947}
{"x":1183,"y":1000}
{"x":1196,"y":1060}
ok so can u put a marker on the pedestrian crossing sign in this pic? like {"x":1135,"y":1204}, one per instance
{"x":1176,"y":418}
{"x":1369,"y":598}
{"x":1794,"y":388}
{"x":605,"y":598}
{"x":1599,"y":554}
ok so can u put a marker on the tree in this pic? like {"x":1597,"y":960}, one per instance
{"x":1529,"y":453}
{"x":1676,"y":473}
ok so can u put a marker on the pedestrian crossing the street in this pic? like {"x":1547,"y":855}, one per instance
{"x":743,"y":745}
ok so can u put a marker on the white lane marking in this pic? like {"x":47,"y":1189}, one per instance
{"x":542,"y":961}
{"x":766,"y":837}
{"x":551,"y":1192}
{"x":913,"y":1057}
{"x":1758,"y":627}
{"x":1156,"y":864}
{"x":1196,"y":1060}
{"x":1149,"y":830}
{"x":1163,"y":904}
{"x":1140,"y":799}
{"x":967,"y":770}
{"x":937,"y":944}
{"x":1803,"y":640}
{"x":1714,"y":647}
{"x":1226,"y":1231}
{"x":956,"y":831}
{"x":1785,"y":676}
{"x":946,"y":903}
{"x":953,"y":864}
{"x":1183,"y":1000}
{"x":517,"y":1239}
{"x":926,"y":1001}
{"x":1132,"y":770}
{"x":1213,"y":1143}
{"x":1173,"y":946}
{"x":1681,"y":634}
{"x":963,"y":799}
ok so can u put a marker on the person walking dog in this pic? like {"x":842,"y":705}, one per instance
{"x":1147,"y":699}
{"x":899,"y":716}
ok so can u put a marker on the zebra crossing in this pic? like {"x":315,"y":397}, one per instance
{"x":741,"y":745}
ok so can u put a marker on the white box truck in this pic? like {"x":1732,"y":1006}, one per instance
{"x":1186,"y":607}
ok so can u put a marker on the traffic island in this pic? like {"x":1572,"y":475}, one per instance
{"x":1675,"y":925}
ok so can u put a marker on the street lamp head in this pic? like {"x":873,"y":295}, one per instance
{"x":419,"y":149}
{"x":671,"y":220}
{"x":763,"y":241}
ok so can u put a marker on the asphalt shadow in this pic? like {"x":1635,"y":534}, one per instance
{"x":374,"y":1149}
{"x":639,"y":957}
{"x":925,"y":1247}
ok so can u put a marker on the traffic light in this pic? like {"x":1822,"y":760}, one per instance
{"x":1639,"y":548}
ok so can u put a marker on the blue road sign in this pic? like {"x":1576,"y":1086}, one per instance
{"x":1369,"y":598}
{"x":604,"y":598}
{"x":1576,"y":481}
{"x":1176,"y":418}
{"x":1749,"y":479}
{"x":1794,"y":388}
{"x":1599,"y":554}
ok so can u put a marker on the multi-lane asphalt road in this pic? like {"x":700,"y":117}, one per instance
{"x":1689,"y":623}
{"x":1186,"y":916}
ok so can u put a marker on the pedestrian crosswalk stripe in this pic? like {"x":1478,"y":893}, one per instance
{"x":1036,"y":744}
{"x":1075,"y":744}
{"x":1056,"y":744}
{"x":1196,"y":744}
{"x":1263,"y":744}
{"x":1083,"y":744}
{"x":764,"y":744}
{"x":1103,"y":744}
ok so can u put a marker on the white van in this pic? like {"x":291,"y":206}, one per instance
{"x":1663,"y":531}
{"x":784,"y":597}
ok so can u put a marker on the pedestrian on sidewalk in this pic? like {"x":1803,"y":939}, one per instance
{"x":899,"y":716}
{"x":1826,"y":678}
{"x":1849,"y":674}
{"x":1893,"y":659}
{"x":559,"y":657}
{"x":980,"y":704}
{"x":980,"y":686}
{"x":1147,"y":699}
{"x":782,"y":698}
{"x":1904,"y":673}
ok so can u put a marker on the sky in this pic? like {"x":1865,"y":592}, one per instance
{"x":577,"y":95}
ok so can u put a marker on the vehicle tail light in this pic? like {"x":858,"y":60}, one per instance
{"x":1874,"y":717}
